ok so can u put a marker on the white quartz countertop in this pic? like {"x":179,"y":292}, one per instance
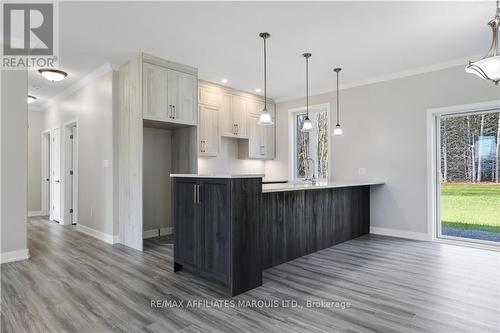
{"x":190,"y":175}
{"x":299,"y":186}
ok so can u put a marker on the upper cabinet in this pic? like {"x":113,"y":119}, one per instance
{"x":238,"y":114}
{"x":208,"y":130}
{"x":169,"y":93}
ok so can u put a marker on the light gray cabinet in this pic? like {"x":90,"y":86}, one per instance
{"x":261,"y":140}
{"x":238,"y":114}
{"x":169,"y":95}
{"x":208,"y":130}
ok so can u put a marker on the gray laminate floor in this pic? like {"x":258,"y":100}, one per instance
{"x":74,"y":283}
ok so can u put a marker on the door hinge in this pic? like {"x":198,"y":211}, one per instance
{"x":71,"y":136}
{"x":71,"y":172}
{"x":71,"y":211}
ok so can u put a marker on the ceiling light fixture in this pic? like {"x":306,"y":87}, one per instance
{"x":488,"y":68}
{"x":224,"y":81}
{"x":265,"y":115}
{"x":53,"y":75}
{"x":307,"y":124}
{"x":31,"y":99}
{"x":338,"y":130}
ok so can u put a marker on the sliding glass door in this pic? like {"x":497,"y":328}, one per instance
{"x":468,"y":186}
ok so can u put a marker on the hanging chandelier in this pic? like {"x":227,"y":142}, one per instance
{"x":488,"y":68}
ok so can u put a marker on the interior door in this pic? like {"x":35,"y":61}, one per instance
{"x":74,"y":175}
{"x":55,"y":179}
{"x":215,"y":229}
{"x":155,"y":97}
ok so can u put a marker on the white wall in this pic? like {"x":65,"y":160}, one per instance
{"x":227,"y":162}
{"x":385,"y":133}
{"x":14,"y":165}
{"x":92,"y":105}
{"x":35,"y":125}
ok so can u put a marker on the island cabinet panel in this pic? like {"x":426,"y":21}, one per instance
{"x":186,"y":233}
{"x":296,"y":223}
{"x":217,"y":230}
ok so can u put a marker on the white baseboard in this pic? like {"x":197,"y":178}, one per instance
{"x":400,"y":233}
{"x":35,"y":213}
{"x":110,"y":239}
{"x":154,"y":232}
{"x":14,"y":256}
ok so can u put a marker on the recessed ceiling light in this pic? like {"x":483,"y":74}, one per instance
{"x":223,"y":80}
{"x":31,"y":99}
{"x":258,"y":90}
{"x":53,"y":75}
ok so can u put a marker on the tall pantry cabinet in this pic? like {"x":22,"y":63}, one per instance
{"x":157,"y":135}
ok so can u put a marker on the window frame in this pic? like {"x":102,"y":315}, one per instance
{"x":292,"y":127}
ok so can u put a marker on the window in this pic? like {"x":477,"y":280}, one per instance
{"x":311,"y":148}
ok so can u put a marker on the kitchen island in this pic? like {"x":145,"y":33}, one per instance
{"x":229,"y":228}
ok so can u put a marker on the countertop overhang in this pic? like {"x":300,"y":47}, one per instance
{"x":190,"y":175}
{"x":269,"y":188}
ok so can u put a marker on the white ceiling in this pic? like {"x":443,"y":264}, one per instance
{"x":367,"y":39}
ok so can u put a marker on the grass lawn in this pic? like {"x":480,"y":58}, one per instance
{"x":471,"y":206}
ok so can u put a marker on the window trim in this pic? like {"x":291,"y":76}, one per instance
{"x":292,"y":135}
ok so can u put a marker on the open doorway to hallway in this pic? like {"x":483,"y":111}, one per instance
{"x":468,"y":190}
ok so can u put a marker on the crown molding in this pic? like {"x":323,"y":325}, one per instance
{"x":388,"y":77}
{"x":100,"y":71}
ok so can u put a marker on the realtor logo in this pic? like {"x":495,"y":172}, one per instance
{"x":29,"y":35}
{"x":28,"y":29}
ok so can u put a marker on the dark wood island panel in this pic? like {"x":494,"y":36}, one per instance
{"x":300,"y":222}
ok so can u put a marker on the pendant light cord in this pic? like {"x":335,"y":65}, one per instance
{"x":338,"y":124}
{"x":307,"y":86}
{"x":265,"y":75}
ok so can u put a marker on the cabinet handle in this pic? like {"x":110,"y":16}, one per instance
{"x":203,"y":146}
{"x":198,"y":193}
{"x":173,"y":111}
{"x":194,"y":193}
{"x":170,"y":111}
{"x":237,"y":129}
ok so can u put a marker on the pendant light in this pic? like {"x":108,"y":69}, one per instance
{"x":265,"y":115}
{"x":338,"y":130}
{"x":307,"y":124}
{"x":488,"y":68}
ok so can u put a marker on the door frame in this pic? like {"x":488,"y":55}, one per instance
{"x":45,"y":172}
{"x":67,"y":196}
{"x":433,"y":174}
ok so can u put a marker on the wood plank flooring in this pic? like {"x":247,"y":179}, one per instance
{"x":74,"y":283}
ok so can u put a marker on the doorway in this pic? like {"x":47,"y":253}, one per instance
{"x":467,"y":180}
